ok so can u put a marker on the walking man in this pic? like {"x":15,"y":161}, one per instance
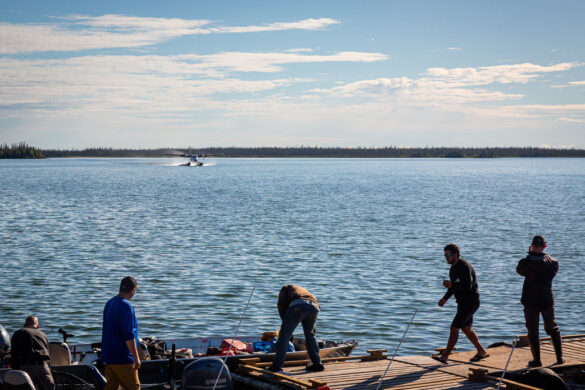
{"x":30,"y":353}
{"x":120,"y":339}
{"x":463,"y":284}
{"x":539,"y":270}
{"x":296,"y":304}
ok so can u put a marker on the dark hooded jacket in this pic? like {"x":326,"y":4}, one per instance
{"x":539,"y":270}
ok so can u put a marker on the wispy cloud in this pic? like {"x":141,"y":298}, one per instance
{"x":453,"y":84}
{"x":271,"y":62}
{"x":572,"y":120}
{"x":503,"y":74}
{"x":173,"y":83}
{"x":578,"y":83}
{"x":300,"y":50}
{"x":79,"y":32}
{"x":477,"y":92}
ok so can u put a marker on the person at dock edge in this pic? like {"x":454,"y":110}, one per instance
{"x":462,"y":284}
{"x":30,"y":353}
{"x":120,"y":339}
{"x":539,"y":270}
{"x":296,"y":304}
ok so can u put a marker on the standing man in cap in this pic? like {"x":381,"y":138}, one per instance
{"x":463,"y":284}
{"x":30,"y":353}
{"x":120,"y":339}
{"x":539,"y":270}
{"x":296,"y":304}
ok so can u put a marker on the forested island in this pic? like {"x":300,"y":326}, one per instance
{"x":24,"y":151}
{"x":20,"y":150}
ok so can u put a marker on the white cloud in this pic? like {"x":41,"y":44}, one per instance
{"x":547,"y":146}
{"x":271,"y":62}
{"x":577,"y":83}
{"x":443,"y":86}
{"x":572,"y":120}
{"x":307,"y":24}
{"x":79,"y":32}
{"x":420,"y":90}
{"x":504,"y":74}
{"x":300,"y":50}
{"x":133,"y":83}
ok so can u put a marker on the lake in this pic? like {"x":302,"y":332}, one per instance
{"x":365,"y":236}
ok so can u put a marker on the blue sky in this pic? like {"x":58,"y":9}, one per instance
{"x":77,"y":74}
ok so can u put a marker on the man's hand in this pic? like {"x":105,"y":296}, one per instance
{"x":446,"y":284}
{"x":131,"y":344}
{"x":442,"y":302}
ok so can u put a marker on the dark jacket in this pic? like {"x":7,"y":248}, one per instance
{"x":291,"y":293}
{"x":29,"y":346}
{"x":463,"y":284}
{"x":539,"y":270}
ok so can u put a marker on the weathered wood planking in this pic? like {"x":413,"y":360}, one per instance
{"x":422,"y":372}
{"x":401,"y":375}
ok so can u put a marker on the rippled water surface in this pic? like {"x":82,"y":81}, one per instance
{"x":365,"y":236}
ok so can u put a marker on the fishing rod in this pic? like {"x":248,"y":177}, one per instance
{"x":506,"y":367}
{"x":396,"y":350}
{"x":235,"y":335}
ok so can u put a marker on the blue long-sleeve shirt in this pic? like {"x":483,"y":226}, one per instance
{"x":119,"y":326}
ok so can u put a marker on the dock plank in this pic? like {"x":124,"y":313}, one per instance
{"x":422,"y":372}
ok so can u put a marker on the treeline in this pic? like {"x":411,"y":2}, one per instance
{"x":329,"y":152}
{"x":394,"y":152}
{"x":105,"y":152}
{"x":21,"y":150}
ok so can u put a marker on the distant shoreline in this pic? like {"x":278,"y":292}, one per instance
{"x":317,"y":152}
{"x":24,"y":151}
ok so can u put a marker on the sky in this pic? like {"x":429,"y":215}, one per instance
{"x":409,"y":73}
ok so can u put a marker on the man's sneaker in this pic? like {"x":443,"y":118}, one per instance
{"x":535,"y":363}
{"x":559,"y":362}
{"x":274,"y":369}
{"x":315,"y":367}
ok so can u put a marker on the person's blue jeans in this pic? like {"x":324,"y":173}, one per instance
{"x":307,"y":315}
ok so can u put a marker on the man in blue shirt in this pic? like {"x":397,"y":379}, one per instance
{"x":120,"y":339}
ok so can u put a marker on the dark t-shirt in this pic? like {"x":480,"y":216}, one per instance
{"x":29,"y":346}
{"x":463,"y":284}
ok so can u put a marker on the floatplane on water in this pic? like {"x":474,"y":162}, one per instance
{"x":193,"y":159}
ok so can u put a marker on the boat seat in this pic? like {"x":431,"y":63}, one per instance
{"x":60,"y":354}
{"x":17,"y":380}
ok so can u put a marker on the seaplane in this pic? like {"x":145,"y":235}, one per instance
{"x":193,"y":160}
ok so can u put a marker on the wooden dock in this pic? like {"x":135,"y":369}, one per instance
{"x":416,"y":372}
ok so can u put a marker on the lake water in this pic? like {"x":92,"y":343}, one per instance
{"x":366,"y":236}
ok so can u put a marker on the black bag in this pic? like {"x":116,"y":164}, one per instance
{"x":157,"y":349}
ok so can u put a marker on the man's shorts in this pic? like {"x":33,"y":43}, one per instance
{"x":464,"y":316}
